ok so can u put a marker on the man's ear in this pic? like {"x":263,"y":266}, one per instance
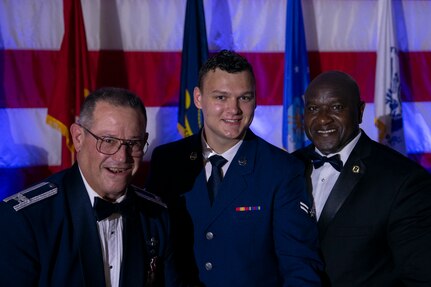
{"x":197,"y":97}
{"x":361,"y":111}
{"x":77,"y":133}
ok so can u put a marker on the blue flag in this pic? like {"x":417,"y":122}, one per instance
{"x":194,"y":54}
{"x":296,"y":78}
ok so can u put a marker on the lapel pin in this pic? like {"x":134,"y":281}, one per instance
{"x":193,"y":156}
{"x":355,"y":169}
{"x":242,"y":162}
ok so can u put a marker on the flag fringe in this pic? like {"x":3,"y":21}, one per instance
{"x":58,"y":125}
{"x":382,"y":129}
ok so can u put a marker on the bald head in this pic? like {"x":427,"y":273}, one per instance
{"x":338,"y":82}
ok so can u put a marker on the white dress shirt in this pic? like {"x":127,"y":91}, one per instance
{"x":228,"y":155}
{"x":111,"y":241}
{"x":323,"y":179}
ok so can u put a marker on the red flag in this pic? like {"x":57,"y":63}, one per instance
{"x":72,"y":82}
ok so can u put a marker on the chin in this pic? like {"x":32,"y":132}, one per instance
{"x":326,"y":149}
{"x":116,"y":186}
{"x":237,"y":134}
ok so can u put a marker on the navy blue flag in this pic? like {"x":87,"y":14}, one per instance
{"x":194,"y":54}
{"x":296,"y":78}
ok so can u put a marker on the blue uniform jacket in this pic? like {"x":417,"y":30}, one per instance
{"x":50,"y":237}
{"x":259,"y":232}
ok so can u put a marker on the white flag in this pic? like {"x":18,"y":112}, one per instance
{"x":388,"y":115}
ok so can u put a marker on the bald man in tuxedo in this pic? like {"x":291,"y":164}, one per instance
{"x":373,"y":205}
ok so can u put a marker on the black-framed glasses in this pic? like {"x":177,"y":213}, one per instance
{"x":111,"y":145}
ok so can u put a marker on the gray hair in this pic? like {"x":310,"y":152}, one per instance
{"x":111,"y":95}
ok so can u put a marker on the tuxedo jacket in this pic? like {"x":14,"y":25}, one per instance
{"x":50,"y":237}
{"x":375,"y":227}
{"x":258,"y":232}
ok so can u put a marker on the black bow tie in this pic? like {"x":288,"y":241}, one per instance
{"x":319,"y":160}
{"x":103,"y":209}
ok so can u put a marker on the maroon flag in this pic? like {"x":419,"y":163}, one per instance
{"x":72,"y":81}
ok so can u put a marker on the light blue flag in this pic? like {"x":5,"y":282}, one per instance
{"x":220,"y":33}
{"x":296,"y":78}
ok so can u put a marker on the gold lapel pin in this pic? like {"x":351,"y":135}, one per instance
{"x":356,"y":169}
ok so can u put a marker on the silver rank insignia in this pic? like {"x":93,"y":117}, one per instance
{"x":32,"y":194}
{"x":144,"y":193}
{"x":310,"y":211}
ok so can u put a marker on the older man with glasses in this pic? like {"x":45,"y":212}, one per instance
{"x":87,"y":225}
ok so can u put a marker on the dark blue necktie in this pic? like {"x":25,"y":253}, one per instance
{"x":319,"y":160}
{"x":216,"y":176}
{"x":103,"y":209}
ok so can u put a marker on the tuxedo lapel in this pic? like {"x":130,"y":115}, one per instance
{"x":85,"y":229}
{"x":350,"y":175}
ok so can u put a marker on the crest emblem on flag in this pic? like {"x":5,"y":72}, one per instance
{"x":387,"y":98}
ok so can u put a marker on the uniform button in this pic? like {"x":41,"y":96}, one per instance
{"x":209,"y":235}
{"x":208,"y":266}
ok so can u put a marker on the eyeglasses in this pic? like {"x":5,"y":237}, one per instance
{"x":111,"y":145}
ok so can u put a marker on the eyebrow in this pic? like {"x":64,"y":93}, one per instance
{"x":228,"y":93}
{"x":115,"y":137}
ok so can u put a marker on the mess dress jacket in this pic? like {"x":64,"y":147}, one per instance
{"x":258,"y":232}
{"x":50,"y":237}
{"x":375,"y":227}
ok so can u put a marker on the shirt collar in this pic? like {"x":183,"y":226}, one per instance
{"x":346,"y":151}
{"x":207,"y":151}
{"x":92,"y":194}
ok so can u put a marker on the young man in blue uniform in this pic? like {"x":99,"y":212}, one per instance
{"x":248,"y":216}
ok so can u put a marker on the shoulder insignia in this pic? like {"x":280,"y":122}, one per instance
{"x":310,"y":211}
{"x":143,"y":193}
{"x":32,"y":194}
